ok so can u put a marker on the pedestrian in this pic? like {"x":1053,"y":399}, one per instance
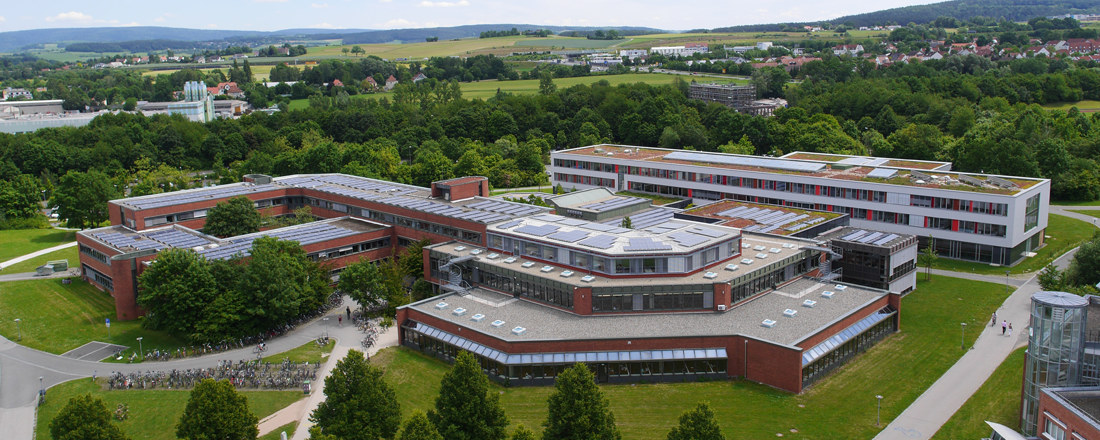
{"x":1004,"y":327}
{"x":994,"y":321}
{"x":1010,"y":329}
{"x":340,"y":320}
{"x":93,"y":375}
{"x":349,"y":313}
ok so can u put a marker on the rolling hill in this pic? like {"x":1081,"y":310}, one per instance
{"x":13,"y":40}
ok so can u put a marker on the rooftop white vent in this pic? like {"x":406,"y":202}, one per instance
{"x":588,"y":278}
{"x":493,"y":256}
{"x":519,"y":331}
{"x":498,"y":323}
{"x":746,"y":261}
{"x":566,"y":273}
{"x":809,"y":303}
{"x":827,"y":294}
{"x":769,"y":323}
{"x":547,"y":268}
{"x":774,"y":250}
{"x":459,"y":311}
{"x":790,"y":313}
{"x":510,"y":260}
{"x":789,"y":245}
{"x":761,"y":255}
{"x":710,"y":275}
{"x":529,"y":264}
{"x":476,"y":252}
{"x":460,"y":248}
{"x":745,"y":245}
{"x":759,"y":247}
{"x":197,"y":248}
{"x":478,"y":318}
{"x":441,"y":305}
{"x":731,"y":267}
{"x":840,"y":287}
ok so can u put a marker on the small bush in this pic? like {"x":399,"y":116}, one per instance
{"x":37,"y":222}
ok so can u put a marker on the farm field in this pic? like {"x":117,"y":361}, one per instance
{"x":1084,"y":106}
{"x":461,"y":47}
{"x":841,"y":406}
{"x":261,"y":72}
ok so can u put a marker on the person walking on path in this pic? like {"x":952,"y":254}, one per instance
{"x":340,"y":320}
{"x":1004,"y":327}
{"x":349,"y":313}
{"x":1010,"y":329}
{"x":994,"y":321}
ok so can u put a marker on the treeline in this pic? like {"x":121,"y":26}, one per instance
{"x":136,"y":46}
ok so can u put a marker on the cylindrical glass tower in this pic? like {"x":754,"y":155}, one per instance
{"x":1056,"y":344}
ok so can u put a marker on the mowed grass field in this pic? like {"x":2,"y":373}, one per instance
{"x":461,"y":47}
{"x":59,"y":317}
{"x":1084,"y":105}
{"x":14,"y":243}
{"x":840,"y":406}
{"x":72,"y":254}
{"x":153,"y":413}
{"x":998,"y":400}
{"x":487,"y":89}
{"x":261,"y":72}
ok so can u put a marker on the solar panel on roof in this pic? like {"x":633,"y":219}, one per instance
{"x":882,"y":173}
{"x":568,"y":236}
{"x":572,"y":222}
{"x":597,"y":227}
{"x":548,"y":217}
{"x":854,"y":235}
{"x":646,"y":244}
{"x":600,"y":241}
{"x":777,"y":164}
{"x":707,"y":232}
{"x":687,"y":239}
{"x":885,"y":239}
{"x":868,"y":238}
{"x":540,"y":231}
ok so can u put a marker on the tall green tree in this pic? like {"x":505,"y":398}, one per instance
{"x":418,"y":427}
{"x":175,"y":291}
{"x":215,"y":410}
{"x":465,"y":408}
{"x":358,"y":405}
{"x":19,"y":197}
{"x":626,"y":223}
{"x":237,"y":216}
{"x":1084,"y":270}
{"x":578,"y":410}
{"x":411,"y":260}
{"x":928,"y":258}
{"x":81,"y":198}
{"x":697,"y":424}
{"x":522,"y":433}
{"x":546,"y":84}
{"x":364,"y":282}
{"x":278,"y":281}
{"x":85,"y":418}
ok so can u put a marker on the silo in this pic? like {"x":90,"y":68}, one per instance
{"x":1055,"y":347}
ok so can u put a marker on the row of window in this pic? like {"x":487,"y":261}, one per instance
{"x":537,"y":291}
{"x":351,"y":249}
{"x":830,"y":361}
{"x":99,"y":256}
{"x":653,"y":301}
{"x":99,"y":278}
{"x":584,"y":180}
{"x":447,"y":231}
{"x":624,"y":266}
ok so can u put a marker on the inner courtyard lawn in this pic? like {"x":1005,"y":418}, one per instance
{"x":841,"y":406}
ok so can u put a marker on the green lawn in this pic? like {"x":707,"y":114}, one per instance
{"x":841,"y":406}
{"x":153,"y":413}
{"x":15,"y":243}
{"x":1089,"y":212}
{"x":998,"y":400}
{"x":60,"y":317}
{"x":72,"y":254}
{"x":1067,"y":203}
{"x":274,"y":435}
{"x":1081,"y":105}
{"x":1065,"y":234}
{"x":308,"y":352}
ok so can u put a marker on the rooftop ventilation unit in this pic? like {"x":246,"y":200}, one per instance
{"x":761,"y":256}
{"x":1002,"y":183}
{"x":827,"y":294}
{"x":809,"y":303}
{"x":460,"y":248}
{"x":498,"y":323}
{"x":759,"y":248}
{"x":459,"y":311}
{"x":566,"y":273}
{"x":967,"y":179}
{"x":769,"y":323}
{"x":476,"y":252}
{"x":510,"y":260}
{"x":840,"y":287}
{"x":745,"y":245}
{"x":477,"y":318}
{"x":774,"y":250}
{"x":731,"y":267}
{"x":519,"y":331}
{"x":588,"y":278}
{"x":919,"y":175}
{"x":710,"y":275}
{"x":529,"y":264}
{"x":746,"y":261}
{"x":441,"y":305}
{"x":546,"y":268}
{"x":493,"y":256}
{"x":789,"y":245}
{"x":790,"y":313}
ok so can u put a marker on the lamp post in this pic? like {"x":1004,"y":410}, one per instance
{"x":878,"y":415}
{"x":19,"y":328}
{"x":962,"y":336}
{"x":1008,"y":287}
{"x":140,"y":350}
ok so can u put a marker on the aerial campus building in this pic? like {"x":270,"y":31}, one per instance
{"x":681,"y":294}
{"x":984,"y":218}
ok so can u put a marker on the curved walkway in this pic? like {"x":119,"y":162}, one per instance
{"x":35,"y":254}
{"x":21,"y":366}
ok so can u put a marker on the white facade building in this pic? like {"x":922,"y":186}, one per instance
{"x":634,"y":53}
{"x":992,"y":219}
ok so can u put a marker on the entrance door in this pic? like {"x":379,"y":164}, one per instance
{"x":601,"y":373}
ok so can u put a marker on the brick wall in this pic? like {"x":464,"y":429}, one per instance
{"x":1072,"y":422}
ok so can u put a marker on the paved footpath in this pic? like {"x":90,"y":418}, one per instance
{"x":36,"y":254}
{"x":939,"y":402}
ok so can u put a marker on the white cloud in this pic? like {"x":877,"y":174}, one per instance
{"x":158,"y":19}
{"x":2,"y":18}
{"x":269,"y":1}
{"x":429,"y":4}
{"x":322,"y":5}
{"x":325,"y":26}
{"x":398,"y":22}
{"x":70,"y":16}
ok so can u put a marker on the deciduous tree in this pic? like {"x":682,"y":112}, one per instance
{"x":697,"y":424}
{"x":81,"y":198}
{"x":176,"y":289}
{"x":465,"y":409}
{"x":216,"y":410}
{"x":358,"y":404}
{"x":418,"y":427}
{"x":85,"y":418}
{"x":578,"y":410}
{"x":237,"y":216}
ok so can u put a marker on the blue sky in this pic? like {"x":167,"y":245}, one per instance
{"x":268,"y":15}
